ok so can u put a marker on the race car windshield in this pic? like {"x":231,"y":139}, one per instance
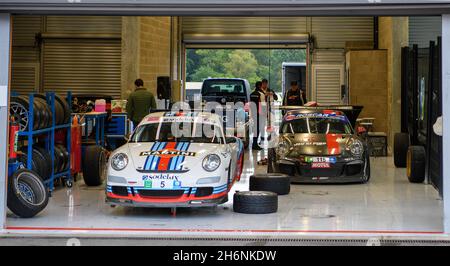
{"x":185,"y":131}
{"x":223,"y":87}
{"x":317,"y":125}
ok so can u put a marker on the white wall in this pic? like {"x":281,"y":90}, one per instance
{"x":4,"y":79}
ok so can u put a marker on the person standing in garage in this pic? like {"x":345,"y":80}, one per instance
{"x":258,"y":97}
{"x":295,"y":96}
{"x":140,"y":102}
{"x":270,"y":94}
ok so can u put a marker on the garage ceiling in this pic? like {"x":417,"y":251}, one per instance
{"x":227,"y":7}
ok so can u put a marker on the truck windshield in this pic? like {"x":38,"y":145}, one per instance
{"x":317,"y":125}
{"x":185,"y":131}
{"x":219,"y":87}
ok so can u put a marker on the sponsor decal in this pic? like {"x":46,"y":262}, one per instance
{"x":320,"y":165}
{"x":151,"y":177}
{"x":310,"y":143}
{"x":290,"y":117}
{"x":169,"y":153}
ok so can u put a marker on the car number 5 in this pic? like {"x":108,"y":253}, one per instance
{"x":163,"y":184}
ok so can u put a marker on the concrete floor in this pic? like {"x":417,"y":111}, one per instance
{"x":387,"y":205}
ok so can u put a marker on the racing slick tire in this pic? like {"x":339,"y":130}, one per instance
{"x":415,"y":164}
{"x":255,"y":202}
{"x":27,"y":194}
{"x":401,"y":144}
{"x":46,"y":160}
{"x":65,"y":108}
{"x":94,"y":166}
{"x":277,"y":183}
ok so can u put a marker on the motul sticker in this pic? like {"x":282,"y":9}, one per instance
{"x":320,"y":165}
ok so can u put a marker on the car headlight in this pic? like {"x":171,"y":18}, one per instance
{"x":356,"y":148}
{"x":283,"y":149}
{"x":119,"y":161}
{"x":211,"y":162}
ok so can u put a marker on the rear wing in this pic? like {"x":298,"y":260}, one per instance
{"x":351,"y":111}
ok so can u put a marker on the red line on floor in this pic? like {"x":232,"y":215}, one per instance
{"x":219,"y":230}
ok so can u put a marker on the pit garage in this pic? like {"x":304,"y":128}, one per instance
{"x":66,"y":69}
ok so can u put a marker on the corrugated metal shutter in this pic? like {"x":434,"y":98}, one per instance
{"x":25,"y":54}
{"x":422,"y":30}
{"x":328,"y":56}
{"x":333,"y":32}
{"x":329,"y":32}
{"x":84,"y":66}
{"x":83,"y":54}
{"x":327,"y":66}
{"x":84,"y":25}
{"x":243,"y":25}
{"x":327,"y":81}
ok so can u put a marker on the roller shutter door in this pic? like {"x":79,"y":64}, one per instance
{"x":422,"y":30}
{"x":82,"y":54}
{"x":25,"y":54}
{"x":84,"y":66}
{"x":334,"y":32}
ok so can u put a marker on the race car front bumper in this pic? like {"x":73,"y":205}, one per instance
{"x":186,"y":197}
{"x":340,"y":172}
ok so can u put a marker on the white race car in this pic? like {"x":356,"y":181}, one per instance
{"x":175,"y":159}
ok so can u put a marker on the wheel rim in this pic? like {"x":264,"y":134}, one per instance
{"x":20,"y":114}
{"x":26,"y":192}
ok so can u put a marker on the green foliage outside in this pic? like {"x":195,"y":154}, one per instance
{"x":250,"y":64}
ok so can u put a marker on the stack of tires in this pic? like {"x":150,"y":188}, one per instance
{"x":263,"y":195}
{"x":42,"y":160}
{"x":42,"y":112}
{"x":413,"y":157}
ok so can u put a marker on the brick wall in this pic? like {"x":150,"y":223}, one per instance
{"x":368,"y":82}
{"x":154,"y":51}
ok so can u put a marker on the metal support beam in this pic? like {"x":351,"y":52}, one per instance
{"x":5,"y":34}
{"x":446,"y":118}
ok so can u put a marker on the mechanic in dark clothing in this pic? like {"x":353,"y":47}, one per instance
{"x":295,"y":96}
{"x":139,"y":103}
{"x":258,"y":97}
{"x":270,"y":94}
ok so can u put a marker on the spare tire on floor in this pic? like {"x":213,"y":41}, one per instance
{"x":274,"y":182}
{"x":94,"y":166}
{"x":27,"y":194}
{"x":255,"y":202}
{"x":401,"y":144}
{"x":415,"y":164}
